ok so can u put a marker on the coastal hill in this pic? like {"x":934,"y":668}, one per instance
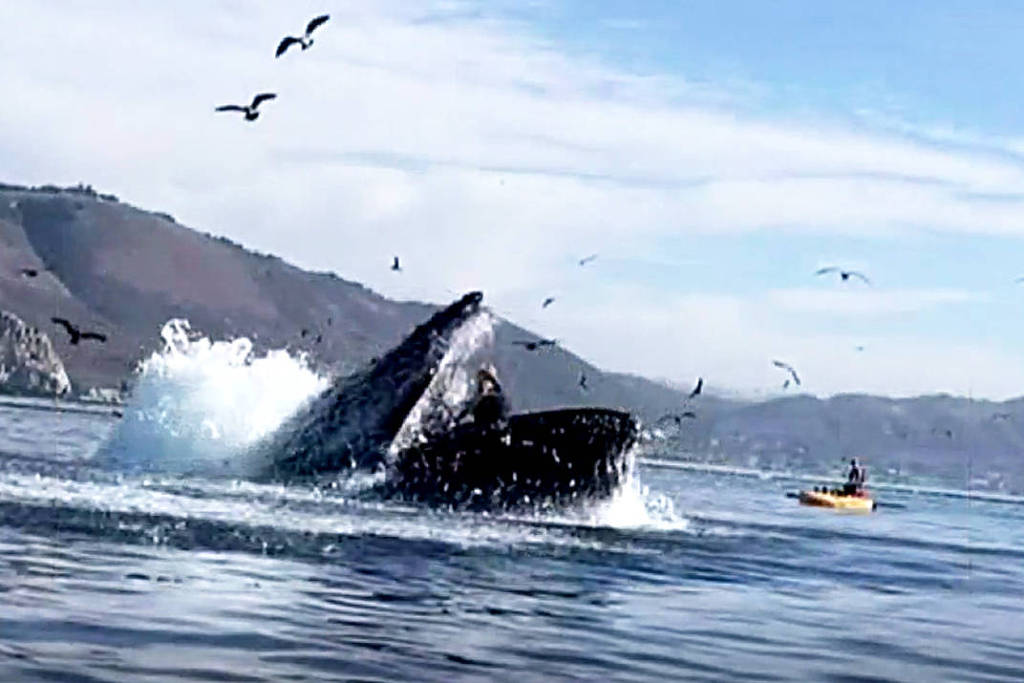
{"x":123,"y":271}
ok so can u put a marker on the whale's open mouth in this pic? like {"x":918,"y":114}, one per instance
{"x":404,"y":414}
{"x":537,"y":460}
{"x":451,"y":389}
{"x":354,"y":421}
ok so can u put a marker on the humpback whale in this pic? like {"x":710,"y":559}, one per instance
{"x":352,"y":423}
{"x":545,"y":459}
{"x":393,"y":416}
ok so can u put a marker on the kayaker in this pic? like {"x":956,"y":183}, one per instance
{"x":854,"y":480}
{"x":490,"y":408}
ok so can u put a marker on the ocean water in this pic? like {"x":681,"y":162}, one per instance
{"x":135,"y":548}
{"x":691,"y":575}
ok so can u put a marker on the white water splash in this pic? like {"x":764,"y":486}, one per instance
{"x":634,"y":506}
{"x":198,"y":404}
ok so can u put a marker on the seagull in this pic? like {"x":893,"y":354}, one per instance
{"x":697,"y":389}
{"x":677,"y":417}
{"x":306,"y":40}
{"x":788,"y":368}
{"x":534,"y":345}
{"x":587,"y":259}
{"x":583,"y":381}
{"x":29,"y":272}
{"x":76,"y":334}
{"x":844,"y":275}
{"x":251,"y":114}
{"x":547,"y":302}
{"x":395,"y":266}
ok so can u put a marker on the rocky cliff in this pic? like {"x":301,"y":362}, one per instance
{"x":28,"y":363}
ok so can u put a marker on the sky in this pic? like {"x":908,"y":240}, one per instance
{"x":713,"y":156}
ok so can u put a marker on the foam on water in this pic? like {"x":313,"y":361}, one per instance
{"x":198,"y":404}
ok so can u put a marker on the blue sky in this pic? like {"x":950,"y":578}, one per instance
{"x":947,"y":63}
{"x":713,"y":154}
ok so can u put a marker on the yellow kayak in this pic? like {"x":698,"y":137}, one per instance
{"x":828,"y":500}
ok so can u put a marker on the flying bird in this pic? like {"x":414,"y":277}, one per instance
{"x":547,"y":302}
{"x":76,"y":334}
{"x":788,"y":368}
{"x":250,"y":110}
{"x":587,"y":259}
{"x":534,"y":345}
{"x":396,"y":266}
{"x":306,"y":40}
{"x":677,"y":417}
{"x":29,"y":272}
{"x":697,"y":389}
{"x":844,"y":275}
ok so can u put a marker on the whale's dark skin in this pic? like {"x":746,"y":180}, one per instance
{"x":352,"y":423}
{"x":535,"y":460}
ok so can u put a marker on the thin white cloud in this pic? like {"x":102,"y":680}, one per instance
{"x":483,"y":156}
{"x":731,"y":341}
{"x":867,"y":302}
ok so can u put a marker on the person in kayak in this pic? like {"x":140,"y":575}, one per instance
{"x":855,"y":479}
{"x":490,"y":408}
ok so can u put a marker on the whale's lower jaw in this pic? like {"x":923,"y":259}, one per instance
{"x":538,"y":460}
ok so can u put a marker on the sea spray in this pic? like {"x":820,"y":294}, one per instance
{"x":198,"y":405}
{"x":633,"y":505}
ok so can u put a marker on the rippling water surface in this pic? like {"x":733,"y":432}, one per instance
{"x":692,"y":575}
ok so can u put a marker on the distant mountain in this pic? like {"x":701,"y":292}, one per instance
{"x":114,"y":268}
{"x":124,"y":271}
{"x":958,"y":442}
